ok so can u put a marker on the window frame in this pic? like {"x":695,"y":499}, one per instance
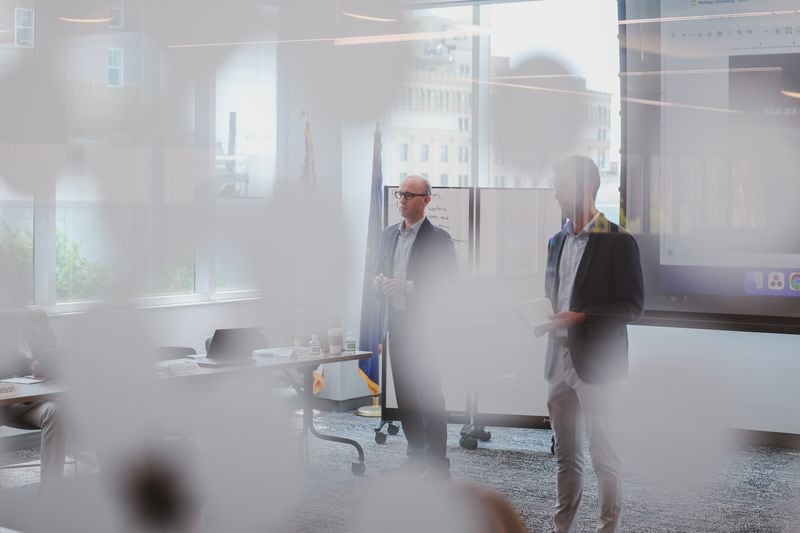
{"x":18,"y":27}
{"x":120,"y":68}
{"x":117,"y":13}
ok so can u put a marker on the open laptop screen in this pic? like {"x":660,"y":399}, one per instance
{"x":236,"y":343}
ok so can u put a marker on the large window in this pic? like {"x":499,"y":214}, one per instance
{"x":555,"y":90}
{"x":134,"y":171}
{"x":541,"y":92}
{"x":245,"y":148}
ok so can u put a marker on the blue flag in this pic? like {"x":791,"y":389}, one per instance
{"x":371,"y":331}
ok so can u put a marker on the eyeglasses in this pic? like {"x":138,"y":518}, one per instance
{"x":407,"y":195}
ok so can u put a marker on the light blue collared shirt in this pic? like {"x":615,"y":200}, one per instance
{"x":405,"y":240}
{"x":571,"y":255}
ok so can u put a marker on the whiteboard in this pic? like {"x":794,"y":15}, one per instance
{"x":512,"y":227}
{"x":450,"y":208}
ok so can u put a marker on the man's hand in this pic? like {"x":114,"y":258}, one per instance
{"x":566,"y":319}
{"x":392,"y":286}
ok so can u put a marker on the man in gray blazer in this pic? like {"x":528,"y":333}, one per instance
{"x":594,"y":282}
{"x":414,"y":263}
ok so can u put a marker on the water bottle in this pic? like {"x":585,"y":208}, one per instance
{"x":314,"y":346}
{"x":350,"y":343}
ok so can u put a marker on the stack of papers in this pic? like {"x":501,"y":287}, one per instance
{"x":537,"y":312}
{"x":277,"y":352}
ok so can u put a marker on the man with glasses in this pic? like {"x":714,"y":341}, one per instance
{"x":415,"y":259}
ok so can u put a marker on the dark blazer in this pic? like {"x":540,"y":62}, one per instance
{"x":609,"y":289}
{"x":431,"y":263}
{"x":26,"y":328}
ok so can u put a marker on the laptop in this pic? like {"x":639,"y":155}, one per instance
{"x":233,"y":346}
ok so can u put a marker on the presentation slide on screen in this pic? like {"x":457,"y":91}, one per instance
{"x":729,"y":177}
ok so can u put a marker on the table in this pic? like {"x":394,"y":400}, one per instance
{"x":305,"y":365}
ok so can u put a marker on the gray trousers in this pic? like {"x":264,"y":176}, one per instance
{"x":573,"y":404}
{"x":49,"y":417}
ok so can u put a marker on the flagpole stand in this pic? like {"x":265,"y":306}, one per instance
{"x":373,"y":410}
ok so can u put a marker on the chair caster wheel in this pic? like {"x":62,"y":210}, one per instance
{"x":480,"y":433}
{"x":380,"y":438}
{"x":358,"y":469}
{"x":468,"y":443}
{"x":393,"y":429}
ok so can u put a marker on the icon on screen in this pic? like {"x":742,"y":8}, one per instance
{"x":794,"y":281}
{"x":755,"y":280}
{"x":777,"y":280}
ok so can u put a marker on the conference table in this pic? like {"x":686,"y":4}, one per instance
{"x":176,"y":369}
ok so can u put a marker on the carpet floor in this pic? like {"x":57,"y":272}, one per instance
{"x":744,"y":489}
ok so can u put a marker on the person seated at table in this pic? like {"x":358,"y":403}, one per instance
{"x":26,"y":348}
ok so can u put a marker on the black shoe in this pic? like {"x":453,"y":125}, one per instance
{"x":436,"y":473}
{"x":411,"y":468}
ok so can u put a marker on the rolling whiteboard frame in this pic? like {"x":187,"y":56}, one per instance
{"x":460,"y":415}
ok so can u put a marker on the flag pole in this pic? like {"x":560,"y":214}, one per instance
{"x":374,"y":410}
{"x":370,"y":328}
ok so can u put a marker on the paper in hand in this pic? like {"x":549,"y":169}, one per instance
{"x":537,"y":312}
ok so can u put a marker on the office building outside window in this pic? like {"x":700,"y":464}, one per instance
{"x":438,"y":95}
{"x":522,"y":30}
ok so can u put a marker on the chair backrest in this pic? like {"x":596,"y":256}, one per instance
{"x":25,"y":331}
{"x":38,"y":333}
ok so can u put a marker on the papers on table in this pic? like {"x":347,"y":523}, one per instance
{"x":277,"y":352}
{"x":27,"y":380}
{"x":537,"y":312}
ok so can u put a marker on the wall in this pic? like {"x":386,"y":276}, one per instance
{"x":732,"y":379}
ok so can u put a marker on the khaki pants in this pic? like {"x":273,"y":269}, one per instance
{"x":49,"y":417}
{"x":573,"y":403}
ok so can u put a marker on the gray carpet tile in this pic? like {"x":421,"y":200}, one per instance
{"x":750,"y":489}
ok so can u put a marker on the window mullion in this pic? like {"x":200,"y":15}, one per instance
{"x":44,"y":248}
